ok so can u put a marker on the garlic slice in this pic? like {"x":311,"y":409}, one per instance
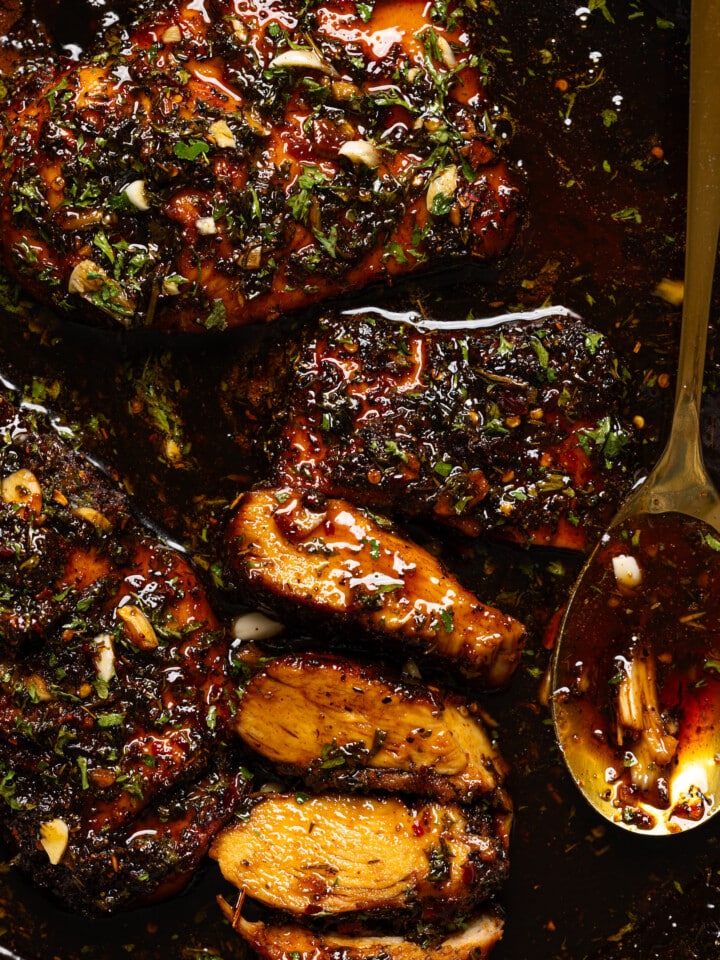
{"x":256,"y":626}
{"x":172,"y":34}
{"x":221,"y":135}
{"x":22,"y":488}
{"x":303,"y":59}
{"x":136,"y":192}
{"x":446,"y":52}
{"x":104,"y":656}
{"x":442,"y":184}
{"x":94,"y":517}
{"x":627,"y":571}
{"x":86,"y":277}
{"x":54,"y":835}
{"x":138,"y":628}
{"x":205,"y":226}
{"x":360,"y":151}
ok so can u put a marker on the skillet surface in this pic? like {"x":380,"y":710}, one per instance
{"x":598,"y":99}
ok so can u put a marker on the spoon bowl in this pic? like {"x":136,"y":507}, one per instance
{"x":636,"y":670}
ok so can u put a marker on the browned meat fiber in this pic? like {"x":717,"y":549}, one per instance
{"x":334,"y":722}
{"x":514,"y":430}
{"x":221,"y":163}
{"x":345,"y":855}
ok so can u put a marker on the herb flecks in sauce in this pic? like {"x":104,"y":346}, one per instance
{"x":646,"y":697}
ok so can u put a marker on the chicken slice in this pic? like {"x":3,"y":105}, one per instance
{"x":330,"y":557}
{"x":341,"y":854}
{"x":338,"y":723}
{"x":278,"y":942}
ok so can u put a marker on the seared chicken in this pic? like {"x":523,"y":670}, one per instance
{"x":335,"y":722}
{"x":343,"y":854}
{"x":331,"y":558}
{"x":126,"y":742}
{"x":113,"y":686}
{"x":223,"y":162}
{"x":280,"y":941}
{"x":513,"y":430}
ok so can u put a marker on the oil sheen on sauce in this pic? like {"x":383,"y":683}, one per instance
{"x":638,"y":693}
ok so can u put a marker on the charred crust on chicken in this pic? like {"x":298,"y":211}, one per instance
{"x":113,"y":685}
{"x":514,"y":430}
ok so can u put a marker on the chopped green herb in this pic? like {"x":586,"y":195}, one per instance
{"x":191,"y":150}
{"x":540,"y":351}
{"x":601,"y":5}
{"x":374,"y":547}
{"x":609,"y":117}
{"x":217,"y":318}
{"x":364,"y":10}
{"x":211,"y":718}
{"x":392,"y":449}
{"x":627,"y":214}
{"x":111,"y":719}
{"x":439,"y":858}
{"x":592,"y":342}
{"x":7,"y":790}
{"x":103,"y":244}
{"x":504,"y":346}
{"x":609,"y":437}
{"x":710,"y":541}
{"x":82,"y":767}
{"x":389,"y":587}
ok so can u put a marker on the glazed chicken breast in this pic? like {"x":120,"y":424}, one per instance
{"x":337,"y":723}
{"x":348,"y":854}
{"x":113,"y":686}
{"x":278,"y":941}
{"x":342,"y":567}
{"x":225,"y":162}
{"x":513,"y":430}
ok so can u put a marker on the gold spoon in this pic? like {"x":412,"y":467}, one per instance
{"x":636,"y":671}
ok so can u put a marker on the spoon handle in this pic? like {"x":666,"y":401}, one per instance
{"x":681,"y":468}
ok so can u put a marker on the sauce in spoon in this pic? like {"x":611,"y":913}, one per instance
{"x":638,"y":716}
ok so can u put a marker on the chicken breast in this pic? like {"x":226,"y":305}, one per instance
{"x":114,"y":694}
{"x":345,"y":854}
{"x":279,"y":941}
{"x":225,"y":162}
{"x":513,"y":430}
{"x":336,"y":722}
{"x":329,"y":557}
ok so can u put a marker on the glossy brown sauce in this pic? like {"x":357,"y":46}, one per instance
{"x":576,"y":890}
{"x":646,"y":693}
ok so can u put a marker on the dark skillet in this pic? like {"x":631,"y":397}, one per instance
{"x":575,"y":892}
